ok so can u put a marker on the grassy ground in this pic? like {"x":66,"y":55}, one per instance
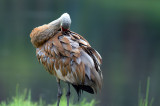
{"x":24,"y":99}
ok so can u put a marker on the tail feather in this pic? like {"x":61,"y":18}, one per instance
{"x":80,"y":88}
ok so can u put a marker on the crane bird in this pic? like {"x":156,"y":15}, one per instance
{"x":68,"y":56}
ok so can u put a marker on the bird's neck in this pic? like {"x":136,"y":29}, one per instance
{"x":55,"y":24}
{"x":42,"y":33}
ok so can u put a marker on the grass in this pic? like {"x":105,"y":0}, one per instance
{"x":144,"y":101}
{"x":24,"y":99}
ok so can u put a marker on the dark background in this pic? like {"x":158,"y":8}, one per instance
{"x":126,"y":33}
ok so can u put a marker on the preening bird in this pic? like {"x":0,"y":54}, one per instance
{"x":68,"y":56}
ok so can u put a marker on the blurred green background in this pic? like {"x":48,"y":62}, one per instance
{"x":125,"y":32}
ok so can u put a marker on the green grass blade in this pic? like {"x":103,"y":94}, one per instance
{"x":141,"y":100}
{"x":24,"y":99}
{"x":147,"y":91}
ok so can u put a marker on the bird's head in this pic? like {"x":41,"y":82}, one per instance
{"x":65,"y":22}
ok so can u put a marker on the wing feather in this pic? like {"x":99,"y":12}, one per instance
{"x":70,"y":58}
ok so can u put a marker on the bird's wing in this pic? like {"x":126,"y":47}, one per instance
{"x":70,"y":58}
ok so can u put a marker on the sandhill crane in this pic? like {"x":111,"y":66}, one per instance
{"x":68,"y":56}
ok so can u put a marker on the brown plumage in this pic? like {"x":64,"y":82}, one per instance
{"x":68,"y":56}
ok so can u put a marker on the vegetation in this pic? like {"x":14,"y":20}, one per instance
{"x":24,"y":99}
{"x":145,"y":101}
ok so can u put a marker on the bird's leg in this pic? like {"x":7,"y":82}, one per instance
{"x":68,"y":94}
{"x":59,"y":93}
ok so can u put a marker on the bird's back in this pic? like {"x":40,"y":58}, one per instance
{"x":70,"y":58}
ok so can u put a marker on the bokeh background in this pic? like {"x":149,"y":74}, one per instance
{"x":125,"y":32}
